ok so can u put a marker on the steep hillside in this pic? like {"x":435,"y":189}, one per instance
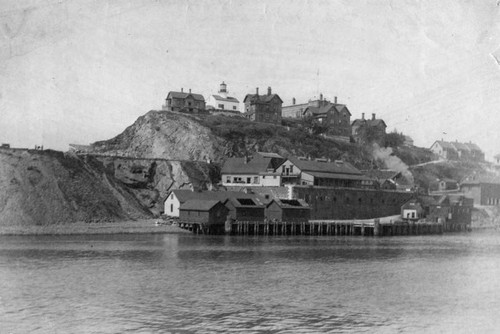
{"x":150,"y":180}
{"x":48,"y":187}
{"x":159,"y":134}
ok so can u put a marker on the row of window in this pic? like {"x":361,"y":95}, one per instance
{"x":221,"y":106}
{"x":347,"y":200}
{"x":493,"y":201}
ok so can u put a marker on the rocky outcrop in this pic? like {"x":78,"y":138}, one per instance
{"x":164,"y":135}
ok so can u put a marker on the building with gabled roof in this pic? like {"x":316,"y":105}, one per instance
{"x":371,"y":130}
{"x":263,"y":108}
{"x":457,"y":151}
{"x":176,"y":198}
{"x":222,"y":101}
{"x":256,"y":171}
{"x":184,"y":102}
{"x":321,"y":172}
{"x":203,"y":211}
{"x":484,"y":188}
{"x":245,"y":209}
{"x":288,"y":210}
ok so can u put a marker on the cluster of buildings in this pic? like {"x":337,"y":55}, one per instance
{"x":457,"y":151}
{"x":268,"y":108}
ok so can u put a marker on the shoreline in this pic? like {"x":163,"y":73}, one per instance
{"x":143,"y":226}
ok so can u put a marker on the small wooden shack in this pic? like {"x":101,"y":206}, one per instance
{"x":288,"y":210}
{"x":417,"y":208}
{"x":245,"y":209}
{"x":201,"y":211}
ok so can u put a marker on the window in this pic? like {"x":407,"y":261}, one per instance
{"x":249,"y":180}
{"x":228,"y":179}
{"x":221,"y":106}
{"x":291,"y":169}
{"x":234,"y":108}
{"x":255,"y":179}
{"x":171,"y":208}
{"x":189,"y":103}
{"x":172,"y":196}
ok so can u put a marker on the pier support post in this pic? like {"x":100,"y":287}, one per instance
{"x":376,"y":227}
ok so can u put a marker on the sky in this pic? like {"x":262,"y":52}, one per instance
{"x":80,"y":71}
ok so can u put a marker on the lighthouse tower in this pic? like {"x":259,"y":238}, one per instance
{"x":223,"y":90}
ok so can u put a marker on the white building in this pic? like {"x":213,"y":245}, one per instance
{"x":222,"y":101}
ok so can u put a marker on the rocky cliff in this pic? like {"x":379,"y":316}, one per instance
{"x":163,"y":135}
{"x":49,"y":187}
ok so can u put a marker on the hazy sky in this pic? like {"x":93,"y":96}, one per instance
{"x":80,"y":71}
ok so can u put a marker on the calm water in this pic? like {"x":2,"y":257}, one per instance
{"x":195,"y":284}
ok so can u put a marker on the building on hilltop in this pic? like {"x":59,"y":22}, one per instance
{"x":369,"y":130}
{"x":184,"y":102}
{"x":334,"y":116}
{"x":263,"y":108}
{"x":222,"y":101}
{"x":457,"y":151}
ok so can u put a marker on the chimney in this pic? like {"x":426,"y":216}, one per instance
{"x":373,"y":117}
{"x":293,"y":100}
{"x":321,"y":96}
{"x":257,"y":90}
{"x":335,"y":100}
{"x":363,"y":116}
{"x":189,"y":90}
{"x":268,"y":90}
{"x":182,"y":90}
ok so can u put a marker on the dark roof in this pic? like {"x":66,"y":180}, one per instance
{"x":198,"y":204}
{"x":182,"y":95}
{"x":337,"y":167}
{"x":458,"y":146}
{"x":254,"y":98}
{"x":184,"y":195}
{"x":290,"y":203}
{"x":229,"y":98}
{"x":381,"y":174}
{"x":445,"y":145}
{"x":369,"y":122}
{"x":269,"y":155}
{"x":238,"y":166}
{"x":324,"y":109}
{"x":241,"y":202}
{"x":425,"y":201}
{"x":473,"y":147}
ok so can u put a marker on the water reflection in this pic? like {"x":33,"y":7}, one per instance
{"x":189,"y":283}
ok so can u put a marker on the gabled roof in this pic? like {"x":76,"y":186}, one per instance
{"x":342,"y":107}
{"x":444,"y":144}
{"x":228,"y":99}
{"x":239,"y":165}
{"x":184,"y":195}
{"x":473,"y":147}
{"x":324,"y":109}
{"x":460,"y":146}
{"x":254,"y":98}
{"x":369,"y":122}
{"x":241,"y":202}
{"x":198,"y":204}
{"x":337,"y":167}
{"x":290,"y":203}
{"x":182,"y":95}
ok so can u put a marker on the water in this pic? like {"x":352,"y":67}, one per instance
{"x":196,"y":284}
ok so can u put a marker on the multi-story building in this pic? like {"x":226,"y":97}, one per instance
{"x":184,"y":102}
{"x":263,"y":108}
{"x":369,"y":130}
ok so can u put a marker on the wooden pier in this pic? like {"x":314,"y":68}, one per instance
{"x":373,"y":227}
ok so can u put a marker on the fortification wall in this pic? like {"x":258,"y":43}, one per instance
{"x":347,"y":203}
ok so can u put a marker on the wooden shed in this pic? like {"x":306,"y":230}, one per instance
{"x":203,"y":211}
{"x":245,"y":209}
{"x":288,"y":210}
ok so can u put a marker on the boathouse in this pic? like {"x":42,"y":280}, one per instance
{"x":200,"y":211}
{"x":245,"y":209}
{"x":288,"y":210}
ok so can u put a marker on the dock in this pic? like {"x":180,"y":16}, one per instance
{"x":370,"y":227}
